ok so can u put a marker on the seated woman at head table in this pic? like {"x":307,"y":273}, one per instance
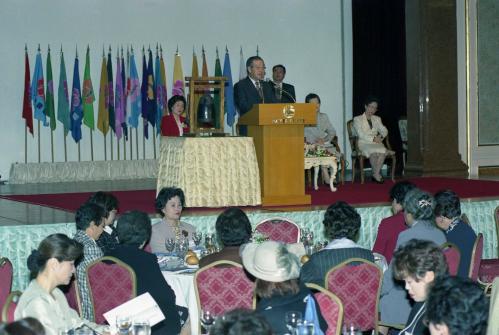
{"x":371,"y":132}
{"x":169,"y":204}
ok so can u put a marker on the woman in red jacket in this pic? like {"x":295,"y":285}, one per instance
{"x":174,"y":124}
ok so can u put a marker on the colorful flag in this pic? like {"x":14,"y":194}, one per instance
{"x":216,"y":93}
{"x":76,"y":111}
{"x":160,"y":91}
{"x":147,"y":91}
{"x":27,"y":108}
{"x":63,"y":98}
{"x":134,"y":98}
{"x":103,"y":115}
{"x":178,"y":76}
{"x":88,"y":94}
{"x":162,"y":72}
{"x":242,"y":66}
{"x":37,"y":93}
{"x":204,"y":71}
{"x":118,"y":100}
{"x":195,"y":74}
{"x":229,"y":107}
{"x":49,"y":101}
{"x":110,"y":90}
{"x":124,"y":127}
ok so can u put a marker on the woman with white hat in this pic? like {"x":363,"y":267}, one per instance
{"x":276,"y":267}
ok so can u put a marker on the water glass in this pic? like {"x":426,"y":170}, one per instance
{"x":196,"y":238}
{"x":170,"y":244}
{"x":292,"y":319}
{"x":207,"y":320}
{"x":352,"y":330}
{"x":305,"y":328}
{"x":141,"y":327}
{"x":123,"y":324}
{"x":182,"y":248}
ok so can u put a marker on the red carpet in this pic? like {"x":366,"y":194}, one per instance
{"x":358,"y":194}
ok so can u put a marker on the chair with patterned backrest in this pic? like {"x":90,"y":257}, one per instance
{"x":330,"y":306}
{"x":358,"y":156}
{"x":496,"y":218}
{"x":279,"y":229}
{"x":9,"y":307}
{"x":223,"y":286}
{"x":476,"y":257}
{"x":5,"y":279}
{"x":452,"y":256}
{"x":111,"y":283}
{"x":72,"y":295}
{"x":357,"y":282}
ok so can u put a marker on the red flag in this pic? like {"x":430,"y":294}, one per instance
{"x":27,"y":108}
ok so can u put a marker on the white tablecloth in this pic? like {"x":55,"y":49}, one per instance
{"x":183,"y":286}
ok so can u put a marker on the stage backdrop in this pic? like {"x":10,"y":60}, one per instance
{"x":308,"y":37}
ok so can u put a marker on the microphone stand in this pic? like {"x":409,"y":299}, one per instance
{"x":282,"y":90}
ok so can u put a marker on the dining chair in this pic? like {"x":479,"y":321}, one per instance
{"x":72,"y":295}
{"x":6,"y":273}
{"x":223,"y":286}
{"x":476,"y":257}
{"x":357,"y":282}
{"x":9,"y":307}
{"x":330,"y":307}
{"x":452,"y":256}
{"x":111,"y":283}
{"x":279,"y":229}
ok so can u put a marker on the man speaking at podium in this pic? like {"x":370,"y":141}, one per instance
{"x":253,"y":89}
{"x":284,"y":93}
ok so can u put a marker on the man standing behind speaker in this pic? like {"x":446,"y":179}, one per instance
{"x":284,"y":93}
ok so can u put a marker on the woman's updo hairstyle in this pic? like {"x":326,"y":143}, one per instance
{"x":57,"y":246}
{"x":420,"y":204}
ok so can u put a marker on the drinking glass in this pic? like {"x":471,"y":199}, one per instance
{"x":305,"y":328}
{"x":207,"y":320}
{"x":170,"y":244}
{"x":141,"y":327}
{"x":123,"y":324}
{"x":182,"y":248}
{"x":196,"y":238}
{"x":352,"y":330}
{"x":292,"y":319}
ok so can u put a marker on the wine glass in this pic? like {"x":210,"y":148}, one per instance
{"x":141,"y":327}
{"x":182,"y":248}
{"x":123,"y":323}
{"x":305,"y":328}
{"x":196,"y":238}
{"x":170,"y":244}
{"x":207,"y":320}
{"x":292,"y":319}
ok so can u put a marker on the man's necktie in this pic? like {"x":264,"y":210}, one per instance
{"x":259,"y":89}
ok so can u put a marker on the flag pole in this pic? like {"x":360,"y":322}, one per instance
{"x":124,"y":148}
{"x":52,"y":144}
{"x":131,"y":143}
{"x":91,"y":145}
{"x":154,"y":142}
{"x":118,"y":147}
{"x":144,"y":140}
{"x":137,"y":143}
{"x":25,"y":144}
{"x":111,"y":143}
{"x":105,"y":147}
{"x":79,"y":152}
{"x":39,"y":146}
{"x":65,"y":146}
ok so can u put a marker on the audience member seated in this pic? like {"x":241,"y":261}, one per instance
{"x":419,"y":264}
{"x":456,"y":306}
{"x":276,"y":267}
{"x":90,"y":220}
{"x":448,"y":218}
{"x":51,"y":265}
{"x":341,"y":227}
{"x":174,"y":124}
{"x":418,"y":212}
{"x":26,"y":326}
{"x":371,"y":132}
{"x":241,"y":322}
{"x":390,"y":227}
{"x":108,"y":201}
{"x":134,"y":230}
{"x":169,"y":204}
{"x":233,"y":229}
{"x":322,"y":134}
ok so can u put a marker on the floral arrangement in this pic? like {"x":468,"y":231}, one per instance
{"x":316,"y":151}
{"x":258,"y":237}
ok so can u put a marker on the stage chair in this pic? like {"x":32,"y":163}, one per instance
{"x":452,"y":256}
{"x":489,"y":270}
{"x":357,"y":282}
{"x":72,"y":295}
{"x":279,"y":229}
{"x":476,"y":257}
{"x":358,"y":156}
{"x":110,"y":283}
{"x":330,"y":306}
{"x":223,"y":286}
{"x":9,"y":307}
{"x":6,"y":273}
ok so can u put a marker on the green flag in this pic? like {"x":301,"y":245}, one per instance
{"x":49,"y":99}
{"x":62,"y":98}
{"x":216,"y":94}
{"x":88,"y":96}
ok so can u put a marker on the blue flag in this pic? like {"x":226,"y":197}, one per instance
{"x":134,"y":94}
{"x":76,"y":111}
{"x":148,"y":98}
{"x":37,"y":91}
{"x":229,"y":107}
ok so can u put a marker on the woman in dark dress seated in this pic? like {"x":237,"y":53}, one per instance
{"x":134,"y":230}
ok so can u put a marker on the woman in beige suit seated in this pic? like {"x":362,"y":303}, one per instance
{"x":371,"y":133}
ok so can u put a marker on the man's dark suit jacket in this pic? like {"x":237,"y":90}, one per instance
{"x":288,"y":91}
{"x":246,"y":95}
{"x":150,"y":279}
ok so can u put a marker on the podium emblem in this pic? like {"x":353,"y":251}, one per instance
{"x":288,"y":111}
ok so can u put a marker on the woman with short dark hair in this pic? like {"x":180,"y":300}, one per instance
{"x":174,"y":124}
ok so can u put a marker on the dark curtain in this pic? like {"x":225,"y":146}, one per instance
{"x":379,"y":62}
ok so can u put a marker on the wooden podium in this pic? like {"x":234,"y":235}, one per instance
{"x":278,"y":134}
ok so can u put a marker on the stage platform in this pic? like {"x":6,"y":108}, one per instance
{"x":23,"y":225}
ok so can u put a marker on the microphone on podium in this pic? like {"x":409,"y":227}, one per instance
{"x":280,"y":88}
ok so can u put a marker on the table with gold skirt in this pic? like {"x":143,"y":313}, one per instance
{"x":212,"y":171}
